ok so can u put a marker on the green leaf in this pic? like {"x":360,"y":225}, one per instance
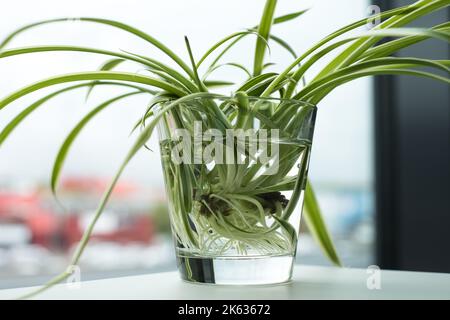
{"x":106,"y":66}
{"x":267,"y":65}
{"x":231,"y":64}
{"x":64,"y":149}
{"x":353,"y":52}
{"x":378,"y":34}
{"x":283,"y":44}
{"x":200,"y":84}
{"x":111,"y":23}
{"x":264,"y":31}
{"x":317,"y":227}
{"x":36,"y":49}
{"x":238,"y":35}
{"x":16,"y":121}
{"x":288,"y":17}
{"x":393,"y":46}
{"x":261,"y":87}
{"x":330,"y":37}
{"x":405,"y":32}
{"x":288,"y":228}
{"x":170,"y":72}
{"x":380,"y":63}
{"x":153,"y":65}
{"x":321,"y":91}
{"x":256,"y":80}
{"x":98,"y":75}
{"x":217,"y":83}
{"x":143,"y":60}
{"x":157,"y":99}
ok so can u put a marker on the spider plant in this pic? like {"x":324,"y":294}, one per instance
{"x":182,"y":92}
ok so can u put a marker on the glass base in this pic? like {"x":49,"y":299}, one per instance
{"x":226,"y":270}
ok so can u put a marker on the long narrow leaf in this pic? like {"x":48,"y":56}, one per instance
{"x":352,"y":53}
{"x":64,"y":149}
{"x":172,"y":73}
{"x":153,"y":65}
{"x":316,"y":225}
{"x":374,"y":34}
{"x":283,"y":44}
{"x":264,"y":31}
{"x":332,"y":36}
{"x":98,"y":75}
{"x":323,"y":90}
{"x":393,"y":46}
{"x":240,"y":35}
{"x":16,"y":121}
{"x":387,"y":63}
{"x":200,"y":84}
{"x":111,"y":23}
{"x":231,"y":64}
{"x":106,"y":66}
{"x":36,"y":49}
{"x":217,"y":83}
{"x":288,"y":17}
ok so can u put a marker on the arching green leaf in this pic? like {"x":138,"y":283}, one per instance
{"x":98,"y":75}
{"x":64,"y":149}
{"x":16,"y":121}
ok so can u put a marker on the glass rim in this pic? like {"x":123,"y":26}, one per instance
{"x":228,"y":97}
{"x":305,"y":103}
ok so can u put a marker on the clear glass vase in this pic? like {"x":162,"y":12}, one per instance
{"x":235,"y":172}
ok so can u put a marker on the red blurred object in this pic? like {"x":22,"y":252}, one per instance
{"x":96,"y":186}
{"x":28,"y":210}
{"x":50,"y":229}
{"x":137,"y":228}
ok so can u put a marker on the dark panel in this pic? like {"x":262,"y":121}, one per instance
{"x":386,"y":182}
{"x":413,"y":164}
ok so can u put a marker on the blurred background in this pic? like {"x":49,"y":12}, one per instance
{"x":38,"y":235}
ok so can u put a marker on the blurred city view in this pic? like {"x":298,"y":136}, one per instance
{"x":39,"y":233}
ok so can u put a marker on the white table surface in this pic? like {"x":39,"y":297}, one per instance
{"x":308,"y":283}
